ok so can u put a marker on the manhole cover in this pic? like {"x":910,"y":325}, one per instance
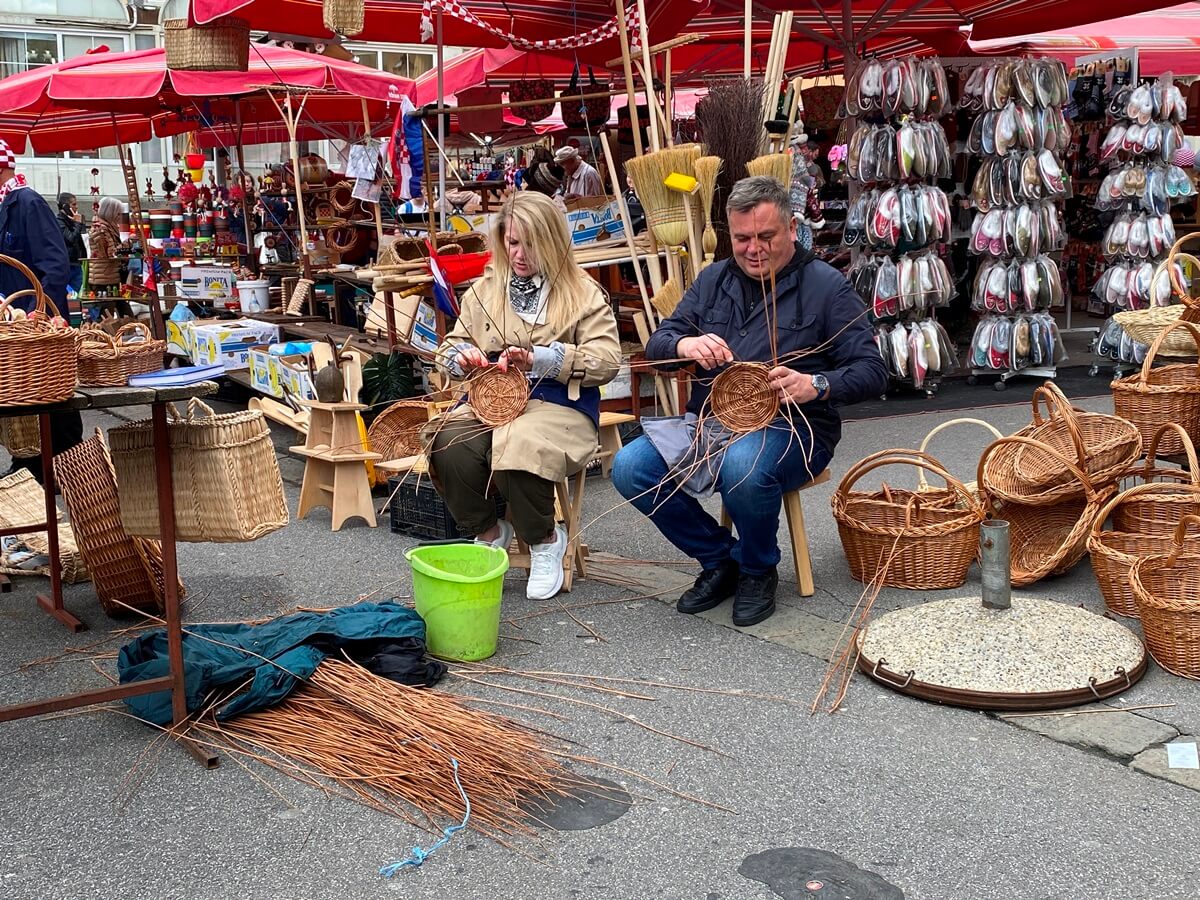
{"x":803,"y":873}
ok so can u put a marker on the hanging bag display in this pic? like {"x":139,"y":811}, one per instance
{"x":590,"y":113}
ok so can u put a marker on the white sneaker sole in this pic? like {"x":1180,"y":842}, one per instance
{"x":557,"y":587}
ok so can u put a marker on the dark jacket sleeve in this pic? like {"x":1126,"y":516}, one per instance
{"x":859,"y":372}
{"x":685,"y":320}
{"x":48,"y":251}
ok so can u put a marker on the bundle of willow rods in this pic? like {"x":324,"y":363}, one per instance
{"x":390,"y":747}
{"x":731,"y":126}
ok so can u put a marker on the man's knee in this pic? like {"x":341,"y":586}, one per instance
{"x":636,"y":468}
{"x":746,"y":467}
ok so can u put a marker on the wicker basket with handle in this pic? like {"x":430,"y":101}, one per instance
{"x":909,"y":544}
{"x":227,"y":485}
{"x":38,"y":357}
{"x":972,"y":486}
{"x":396,"y":432}
{"x":1191,"y":311}
{"x":1158,"y":512}
{"x":109,"y":360}
{"x":1167,"y":590}
{"x":345,"y":17}
{"x":1162,"y":394}
{"x":222,"y":45}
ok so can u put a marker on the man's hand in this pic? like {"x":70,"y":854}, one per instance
{"x":709,"y":350}
{"x":792,"y":386}
{"x":471,"y":358}
{"x":517,"y":357}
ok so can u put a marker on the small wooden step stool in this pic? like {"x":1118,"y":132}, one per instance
{"x":335,"y":471}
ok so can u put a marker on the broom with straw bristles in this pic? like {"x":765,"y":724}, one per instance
{"x":664,"y":206}
{"x":774,"y":165}
{"x":707,"y":170}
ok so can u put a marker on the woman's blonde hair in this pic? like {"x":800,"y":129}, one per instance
{"x":548,"y":249}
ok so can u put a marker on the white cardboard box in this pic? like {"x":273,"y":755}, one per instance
{"x":212,"y":284}
{"x":229,"y":342}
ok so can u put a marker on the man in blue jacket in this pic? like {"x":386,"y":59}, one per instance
{"x":823,"y":340}
{"x":29,"y":232}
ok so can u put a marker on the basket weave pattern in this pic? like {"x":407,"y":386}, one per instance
{"x":1164,"y":394}
{"x":1167,"y":590}
{"x":38,"y":358}
{"x":22,"y":502}
{"x":396,"y":432}
{"x":1159,"y":511}
{"x":742,"y":398}
{"x":21,"y":435}
{"x":106,"y":360}
{"x":222,"y":45}
{"x":497,"y":397}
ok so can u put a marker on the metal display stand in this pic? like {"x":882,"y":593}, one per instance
{"x":1005,"y":376}
{"x":111,"y":398}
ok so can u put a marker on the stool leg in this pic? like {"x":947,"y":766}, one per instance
{"x":610,"y":443}
{"x":794,"y":510}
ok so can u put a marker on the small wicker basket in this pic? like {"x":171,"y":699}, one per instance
{"x":222,"y":45}
{"x":1163,"y":394}
{"x":227,"y":486}
{"x":1167,"y":590}
{"x":21,"y":436}
{"x":107,"y":360}
{"x":396,"y":432}
{"x":1158,"y":512}
{"x":497,"y":397}
{"x":38,"y":357}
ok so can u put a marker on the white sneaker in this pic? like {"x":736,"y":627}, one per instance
{"x":504,"y":541}
{"x":546,"y":566}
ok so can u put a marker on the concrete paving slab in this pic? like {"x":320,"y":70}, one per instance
{"x":1122,"y":735}
{"x":1154,"y":762}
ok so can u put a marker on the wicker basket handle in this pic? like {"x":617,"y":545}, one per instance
{"x":1181,"y":536}
{"x":907,"y":458}
{"x":1137,"y":491}
{"x":102,"y":341}
{"x":921,"y":482}
{"x":1189,"y":450}
{"x":1148,"y":362}
{"x":38,"y":290}
{"x":1173,"y":270}
{"x":853,"y":473}
{"x":138,"y":328}
{"x":195,"y":403}
{"x":1088,"y":487}
{"x":1057,"y":403}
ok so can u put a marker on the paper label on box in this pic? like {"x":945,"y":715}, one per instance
{"x":211,"y":283}
{"x":424,"y":332}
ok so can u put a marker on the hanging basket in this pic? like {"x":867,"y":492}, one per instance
{"x":109,"y":360}
{"x":1163,"y":394}
{"x":222,"y":45}
{"x":1167,"y":590}
{"x":523,"y":89}
{"x":227,"y":486}
{"x":21,"y":436}
{"x":496,"y":397}
{"x":38,"y":362}
{"x":346,"y":17}
{"x":1159,"y":512}
{"x":590,"y":113}
{"x":396,"y":432}
{"x":909,"y":544}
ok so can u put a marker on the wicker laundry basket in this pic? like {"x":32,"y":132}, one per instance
{"x":222,"y":45}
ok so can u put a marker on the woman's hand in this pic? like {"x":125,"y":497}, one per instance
{"x":471,"y":358}
{"x":517,"y":357}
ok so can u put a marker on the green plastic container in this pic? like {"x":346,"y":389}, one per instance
{"x":457,"y":589}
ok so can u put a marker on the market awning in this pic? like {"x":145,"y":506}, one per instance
{"x":496,"y":66}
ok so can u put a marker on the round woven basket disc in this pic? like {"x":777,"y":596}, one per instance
{"x":496,"y":397}
{"x":742,"y":398}
{"x":1036,"y":655}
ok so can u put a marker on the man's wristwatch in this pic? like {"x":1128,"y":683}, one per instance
{"x":821,"y":384}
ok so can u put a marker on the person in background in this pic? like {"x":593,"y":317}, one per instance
{"x":29,"y":232}
{"x":581,"y":179}
{"x":70,"y":222}
{"x":104,"y":269}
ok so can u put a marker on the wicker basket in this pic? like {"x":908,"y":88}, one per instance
{"x":1191,"y":310}
{"x":1114,"y":552}
{"x":911,"y":544}
{"x":108,"y":360}
{"x":972,"y":486}
{"x":21,"y":436}
{"x":23,"y":503}
{"x":226,"y":478}
{"x":1167,"y":590}
{"x":1145,"y":325}
{"x":1158,"y":512}
{"x":1046,"y":539}
{"x":344,"y":16}
{"x":1032,"y":472}
{"x":125,"y":570}
{"x":223,"y":45}
{"x":396,"y":432}
{"x":1164,"y":394}
{"x":38,"y":361}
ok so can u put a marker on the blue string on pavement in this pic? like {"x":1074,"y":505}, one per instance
{"x":418,"y":856}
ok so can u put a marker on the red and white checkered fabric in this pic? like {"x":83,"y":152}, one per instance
{"x":604,"y":32}
{"x":8,"y":159}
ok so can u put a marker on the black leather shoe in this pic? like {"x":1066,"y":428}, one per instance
{"x":755,"y":598}
{"x":712,"y":588}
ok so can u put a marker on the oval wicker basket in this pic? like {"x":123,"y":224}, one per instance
{"x":1163,"y":394}
{"x":38,"y":356}
{"x":1144,"y":325}
{"x":1159,"y":512}
{"x":222,"y":45}
{"x":1114,"y":552}
{"x":742,"y":398}
{"x":396,"y":432}
{"x":910,"y":544}
{"x":1167,"y":590}
{"x":106,"y":360}
{"x":497,"y":397}
{"x":1046,"y":539}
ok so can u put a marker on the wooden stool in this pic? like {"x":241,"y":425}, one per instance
{"x":610,"y":438}
{"x":335,"y":471}
{"x":568,"y":507}
{"x":794,"y":511}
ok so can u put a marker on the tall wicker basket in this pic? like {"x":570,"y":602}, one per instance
{"x":344,"y":16}
{"x":222,"y":45}
{"x":1167,"y":590}
{"x":227,"y":486}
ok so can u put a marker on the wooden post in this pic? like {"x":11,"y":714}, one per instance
{"x":647,"y":69}
{"x":379,"y":204}
{"x":428,"y":179}
{"x":630,"y":87}
{"x":241,"y":159}
{"x":633,"y":254}
{"x":748,"y":14}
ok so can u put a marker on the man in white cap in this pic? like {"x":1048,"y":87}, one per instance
{"x":582,"y":180}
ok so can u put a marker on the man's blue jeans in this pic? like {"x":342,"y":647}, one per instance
{"x":757,"y":470}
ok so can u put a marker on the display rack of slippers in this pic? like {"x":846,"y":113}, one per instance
{"x":1019,"y":134}
{"x":1135,"y":196}
{"x":898,"y":220}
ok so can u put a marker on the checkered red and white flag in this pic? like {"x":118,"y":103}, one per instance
{"x":586,"y":39}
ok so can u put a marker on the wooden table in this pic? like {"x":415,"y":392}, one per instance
{"x":112,"y":398}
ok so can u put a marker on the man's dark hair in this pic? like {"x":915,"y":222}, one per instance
{"x":750,"y":192}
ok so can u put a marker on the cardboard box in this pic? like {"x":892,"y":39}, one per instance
{"x":210,"y":284}
{"x":295,"y":378}
{"x":424,"y":328}
{"x":594,"y":219}
{"x":179,"y":338}
{"x":621,"y":387}
{"x":414,"y":317}
{"x":229,"y":342}
{"x":264,"y":372}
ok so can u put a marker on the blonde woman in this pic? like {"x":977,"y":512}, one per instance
{"x":536,"y":310}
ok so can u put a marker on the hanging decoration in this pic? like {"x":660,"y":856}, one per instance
{"x":605,"y":32}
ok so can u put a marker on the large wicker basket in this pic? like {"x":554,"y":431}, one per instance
{"x":1114,"y":552}
{"x":1158,"y":512}
{"x":1167,"y":590}
{"x":126,"y":571}
{"x":343,"y":16}
{"x":227,"y":486}
{"x":222,"y":45}
{"x":1163,"y":394}
{"x":1145,"y":325}
{"x":38,"y":362}
{"x":909,"y":544}
{"x":23,"y":503}
{"x":110,"y":360}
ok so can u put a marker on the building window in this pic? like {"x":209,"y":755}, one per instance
{"x":395,"y":62}
{"x":22,"y":50}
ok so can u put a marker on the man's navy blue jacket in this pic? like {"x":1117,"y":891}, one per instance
{"x":29,"y":231}
{"x":816,"y":310}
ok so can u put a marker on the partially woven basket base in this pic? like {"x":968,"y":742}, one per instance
{"x":496,"y":397}
{"x":742,"y":398}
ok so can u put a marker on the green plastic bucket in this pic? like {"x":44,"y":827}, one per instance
{"x":457,"y":589}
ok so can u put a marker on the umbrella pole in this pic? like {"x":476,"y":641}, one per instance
{"x":241,"y":158}
{"x":748,"y":19}
{"x":379,"y":203}
{"x":441,"y":119}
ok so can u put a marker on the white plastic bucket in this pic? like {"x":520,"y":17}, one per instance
{"x":254,"y":295}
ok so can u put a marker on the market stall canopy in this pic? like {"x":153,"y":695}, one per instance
{"x":101,"y":99}
{"x":496,"y":66}
{"x":1167,"y":40}
{"x":584,"y":27}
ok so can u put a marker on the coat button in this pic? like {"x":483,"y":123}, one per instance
{"x":742,"y":332}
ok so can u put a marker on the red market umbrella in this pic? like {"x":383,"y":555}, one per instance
{"x":496,"y":66}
